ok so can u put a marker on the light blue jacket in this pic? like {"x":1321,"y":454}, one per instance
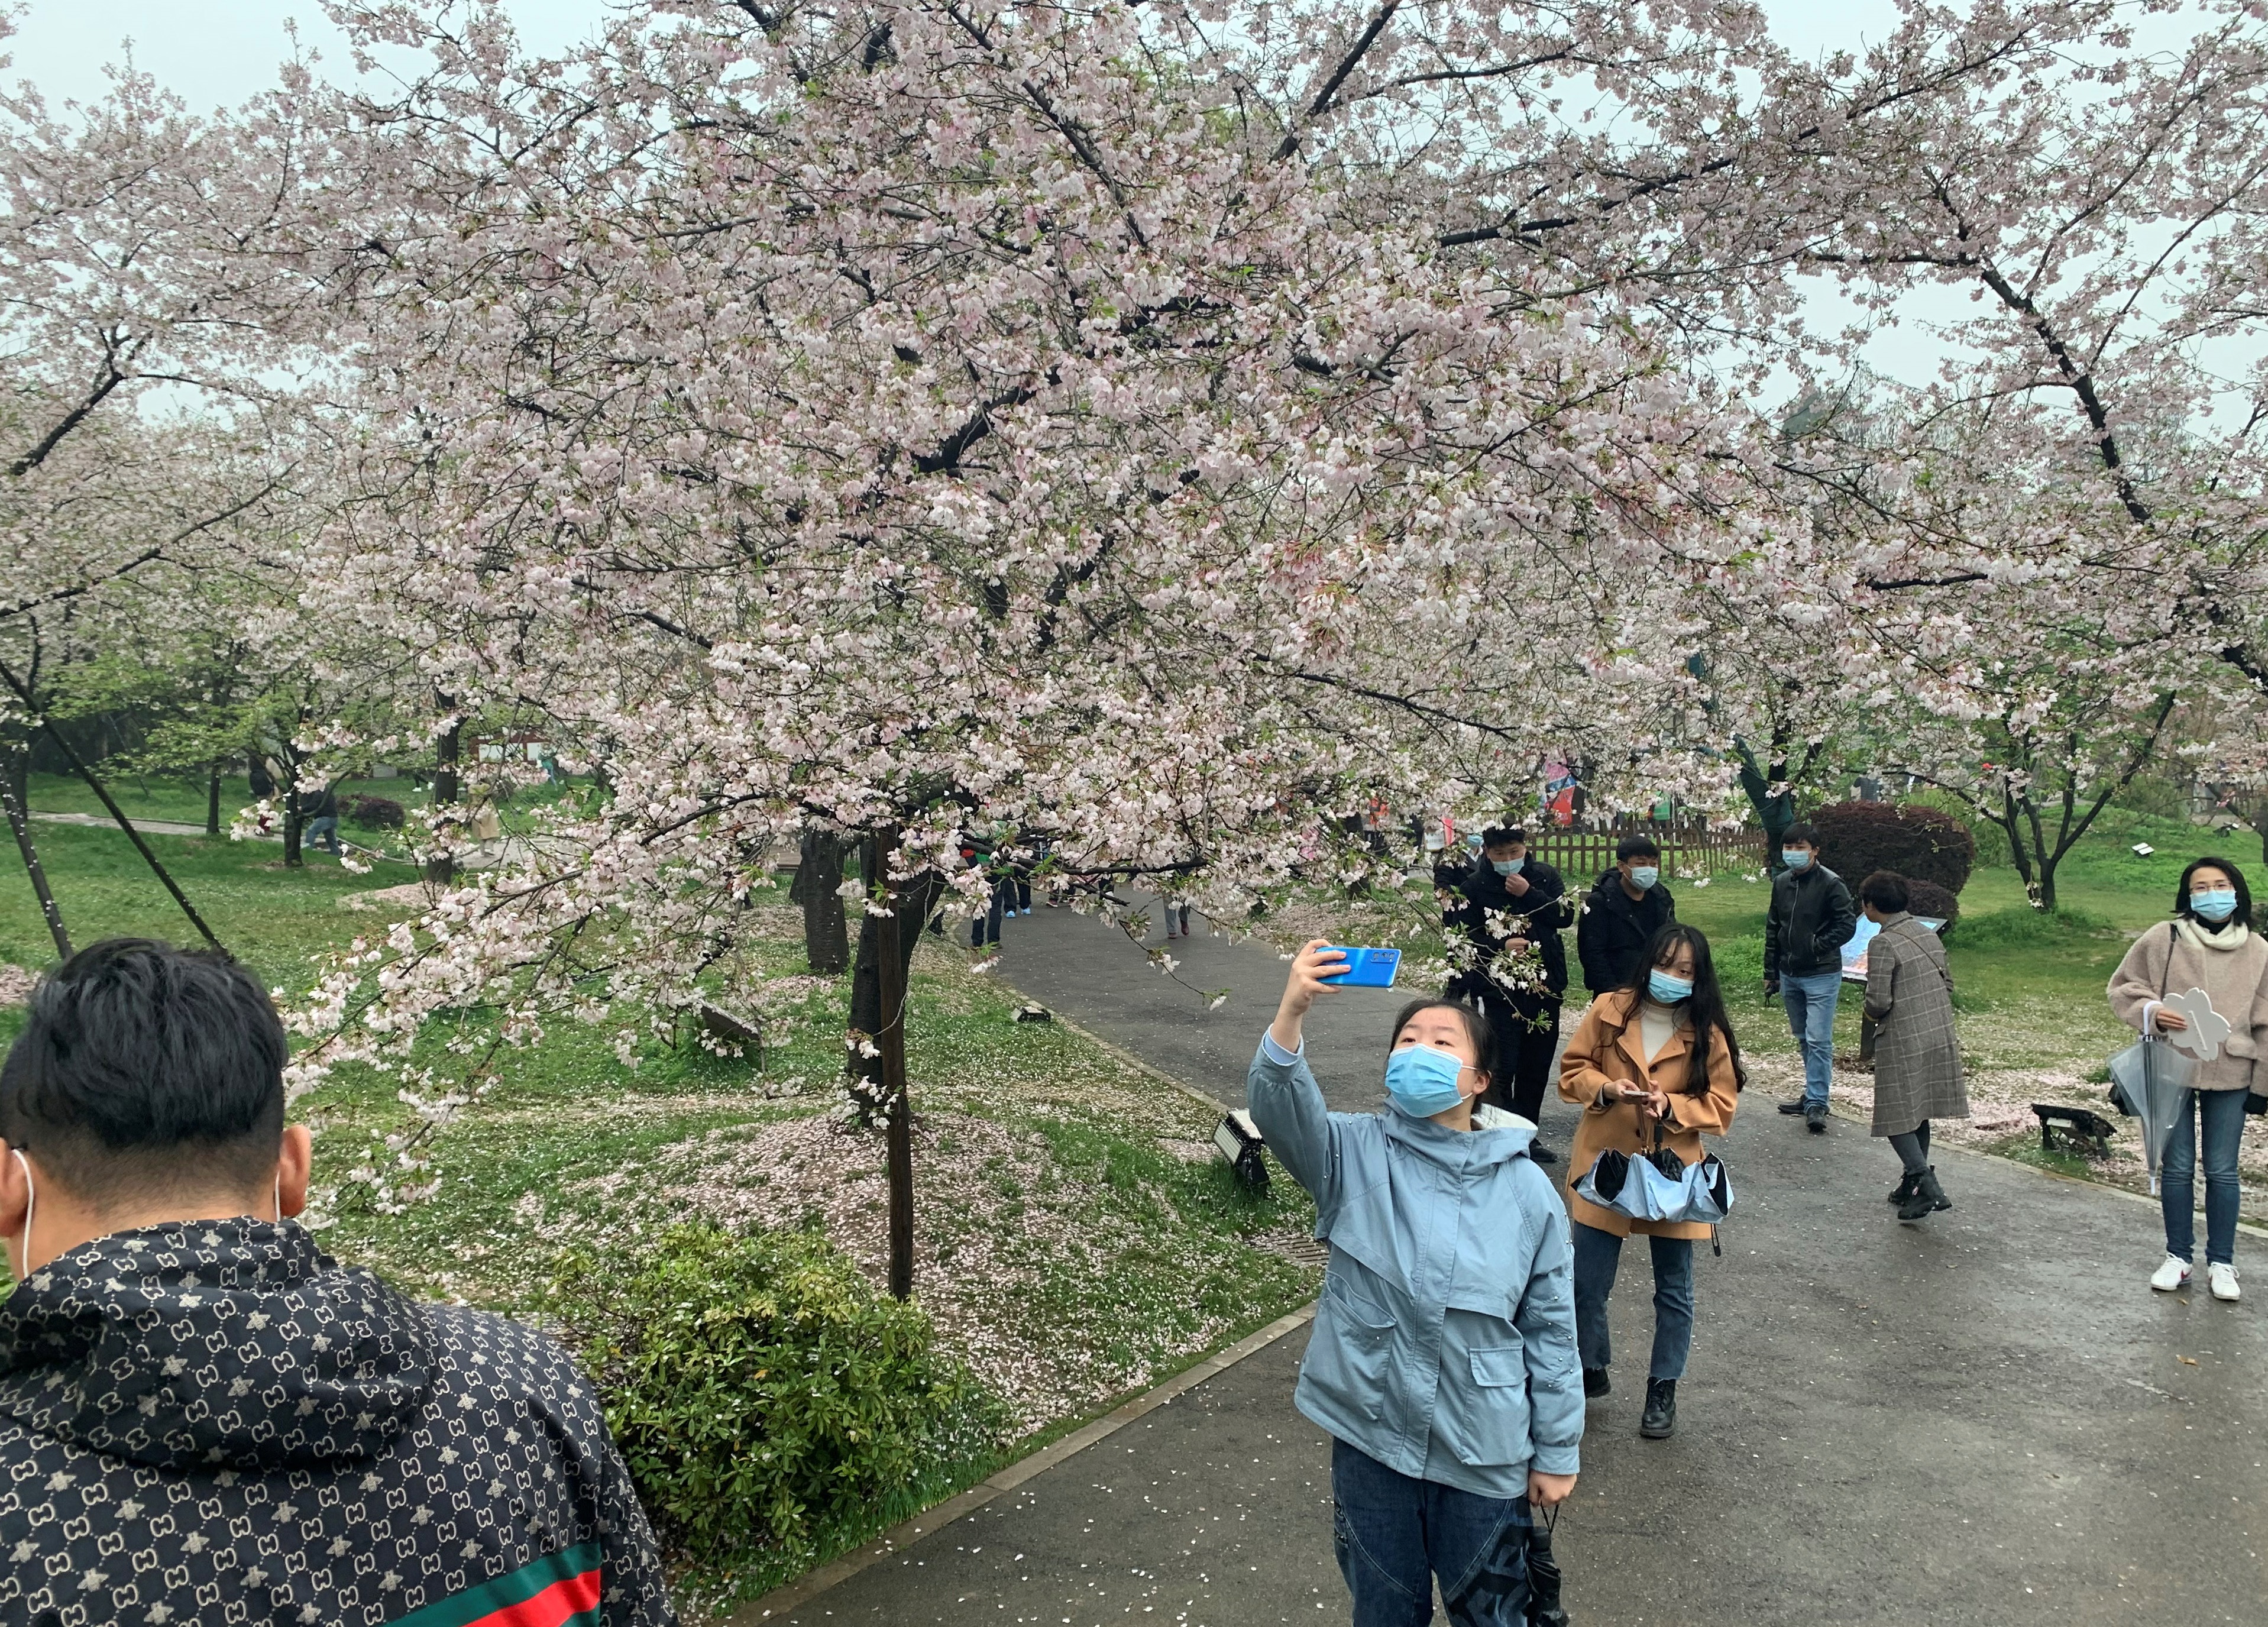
{"x":1445,"y":1343}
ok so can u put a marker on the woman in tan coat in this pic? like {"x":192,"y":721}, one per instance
{"x":2209,"y":945}
{"x":1655,"y":1058}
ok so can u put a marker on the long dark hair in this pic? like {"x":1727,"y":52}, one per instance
{"x":1705,"y":1007}
{"x":2243,"y":915}
{"x":1478,"y":1029}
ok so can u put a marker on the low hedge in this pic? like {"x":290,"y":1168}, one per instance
{"x":374,"y":813}
{"x":761,"y":1389}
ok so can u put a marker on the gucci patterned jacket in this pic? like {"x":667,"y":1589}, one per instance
{"x":215,"y":1423}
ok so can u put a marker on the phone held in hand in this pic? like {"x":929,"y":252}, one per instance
{"x":1366,"y":969}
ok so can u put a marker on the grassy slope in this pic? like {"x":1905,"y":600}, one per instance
{"x":1078,"y":1239}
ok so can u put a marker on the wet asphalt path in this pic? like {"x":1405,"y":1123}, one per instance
{"x":1984,"y":1419}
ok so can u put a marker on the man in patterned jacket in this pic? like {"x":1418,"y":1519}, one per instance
{"x":204,"y":1418}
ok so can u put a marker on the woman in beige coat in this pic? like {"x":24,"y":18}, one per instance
{"x":1653,"y":1060}
{"x":2209,"y":945}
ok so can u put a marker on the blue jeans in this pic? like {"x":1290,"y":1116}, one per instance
{"x":2221,"y":1114}
{"x":1393,"y":1535}
{"x":1811,"y":1003}
{"x":324,"y":832}
{"x":1597,"y":1254}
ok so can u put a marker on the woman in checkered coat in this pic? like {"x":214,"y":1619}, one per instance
{"x":1917,"y":1053}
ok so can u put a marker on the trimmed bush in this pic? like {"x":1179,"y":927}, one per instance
{"x":761,"y":1387}
{"x":374,"y":812}
{"x":1926,"y":898}
{"x":1920,"y":843}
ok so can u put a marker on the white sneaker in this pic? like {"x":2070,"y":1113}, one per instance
{"x":2223,"y":1279}
{"x":2172,"y":1275}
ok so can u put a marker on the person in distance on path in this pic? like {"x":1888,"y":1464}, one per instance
{"x":1917,"y":1053}
{"x":203,"y":1419}
{"x":1621,"y":913}
{"x":1810,"y":919}
{"x":1509,"y":906}
{"x":1443,"y":1359}
{"x":2211,"y":945}
{"x":1653,"y":1063}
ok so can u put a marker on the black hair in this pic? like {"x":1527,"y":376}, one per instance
{"x":1801,"y":831}
{"x":1501,"y":836}
{"x":143,"y":1067}
{"x":1704,"y":1006}
{"x":1636,"y":847}
{"x":1478,"y":1029}
{"x":1886,"y":890}
{"x":2236,"y":878}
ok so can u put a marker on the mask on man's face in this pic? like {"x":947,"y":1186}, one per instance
{"x":1795,"y":858}
{"x":1643,"y":876}
{"x":1507,"y":866}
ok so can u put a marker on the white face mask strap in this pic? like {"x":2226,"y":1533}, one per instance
{"x":30,"y":1207}
{"x":279,"y":1200}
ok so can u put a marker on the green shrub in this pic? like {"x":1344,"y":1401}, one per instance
{"x":2024,"y":927}
{"x":761,"y":1390}
{"x":374,"y":812}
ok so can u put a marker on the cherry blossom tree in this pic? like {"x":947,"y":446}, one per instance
{"x":902,"y":420}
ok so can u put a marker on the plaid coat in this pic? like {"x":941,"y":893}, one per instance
{"x":1916,"y":1053}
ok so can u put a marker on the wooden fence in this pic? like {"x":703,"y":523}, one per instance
{"x":1688,"y":849}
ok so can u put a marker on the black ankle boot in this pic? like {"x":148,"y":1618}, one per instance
{"x":1925,"y":1196}
{"x":1594,"y":1382}
{"x":1905,"y":1188}
{"x":1659,"y":1421}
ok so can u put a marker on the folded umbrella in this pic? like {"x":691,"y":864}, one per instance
{"x":1544,"y":1578}
{"x":2151,"y":1080}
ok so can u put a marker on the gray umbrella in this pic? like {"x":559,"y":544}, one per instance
{"x":2154,"y":1077}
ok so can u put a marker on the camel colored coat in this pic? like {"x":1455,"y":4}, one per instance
{"x":1607,"y":1051}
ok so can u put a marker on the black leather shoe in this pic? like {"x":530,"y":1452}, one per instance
{"x":1660,"y":1422}
{"x":1541,"y":1153}
{"x":1791,"y":1108}
{"x":1815,"y":1120}
{"x":1926,"y":1196}
{"x":1595,"y":1382}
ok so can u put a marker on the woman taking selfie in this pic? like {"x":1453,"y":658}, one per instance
{"x":1442,"y":1363}
{"x":1653,"y":1061}
{"x":2209,"y":945}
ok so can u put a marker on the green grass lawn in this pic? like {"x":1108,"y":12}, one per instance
{"x":183,"y":801}
{"x":1078,"y":1239}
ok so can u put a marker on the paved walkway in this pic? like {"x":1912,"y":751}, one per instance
{"x":1987,"y":1419}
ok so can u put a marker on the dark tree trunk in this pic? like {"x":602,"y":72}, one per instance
{"x":212,"y":802}
{"x":294,"y":819}
{"x":118,"y":816}
{"x":878,"y":1015}
{"x":818,"y":881}
{"x":15,"y":788}
{"x":441,"y":869}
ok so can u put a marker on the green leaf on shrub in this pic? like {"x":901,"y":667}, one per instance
{"x":759,"y":1387}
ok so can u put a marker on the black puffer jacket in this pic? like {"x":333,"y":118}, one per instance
{"x":1485,"y":912}
{"x":1616,"y":928}
{"x":214,"y":1423}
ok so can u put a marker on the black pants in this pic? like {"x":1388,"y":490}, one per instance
{"x":1526,"y":1041}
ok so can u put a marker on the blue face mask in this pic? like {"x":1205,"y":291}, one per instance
{"x":1667,"y":988}
{"x":1643,"y":876}
{"x":2216,"y":905}
{"x":1796,"y":858}
{"x":1507,"y":866}
{"x":1423,"y":1081}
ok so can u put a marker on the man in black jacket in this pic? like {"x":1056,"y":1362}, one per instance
{"x":1509,"y":906}
{"x":202,"y":1418}
{"x":1621,"y":913}
{"x":1810,"y":919}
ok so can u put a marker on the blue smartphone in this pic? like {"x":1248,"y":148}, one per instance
{"x":1366,"y":969}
